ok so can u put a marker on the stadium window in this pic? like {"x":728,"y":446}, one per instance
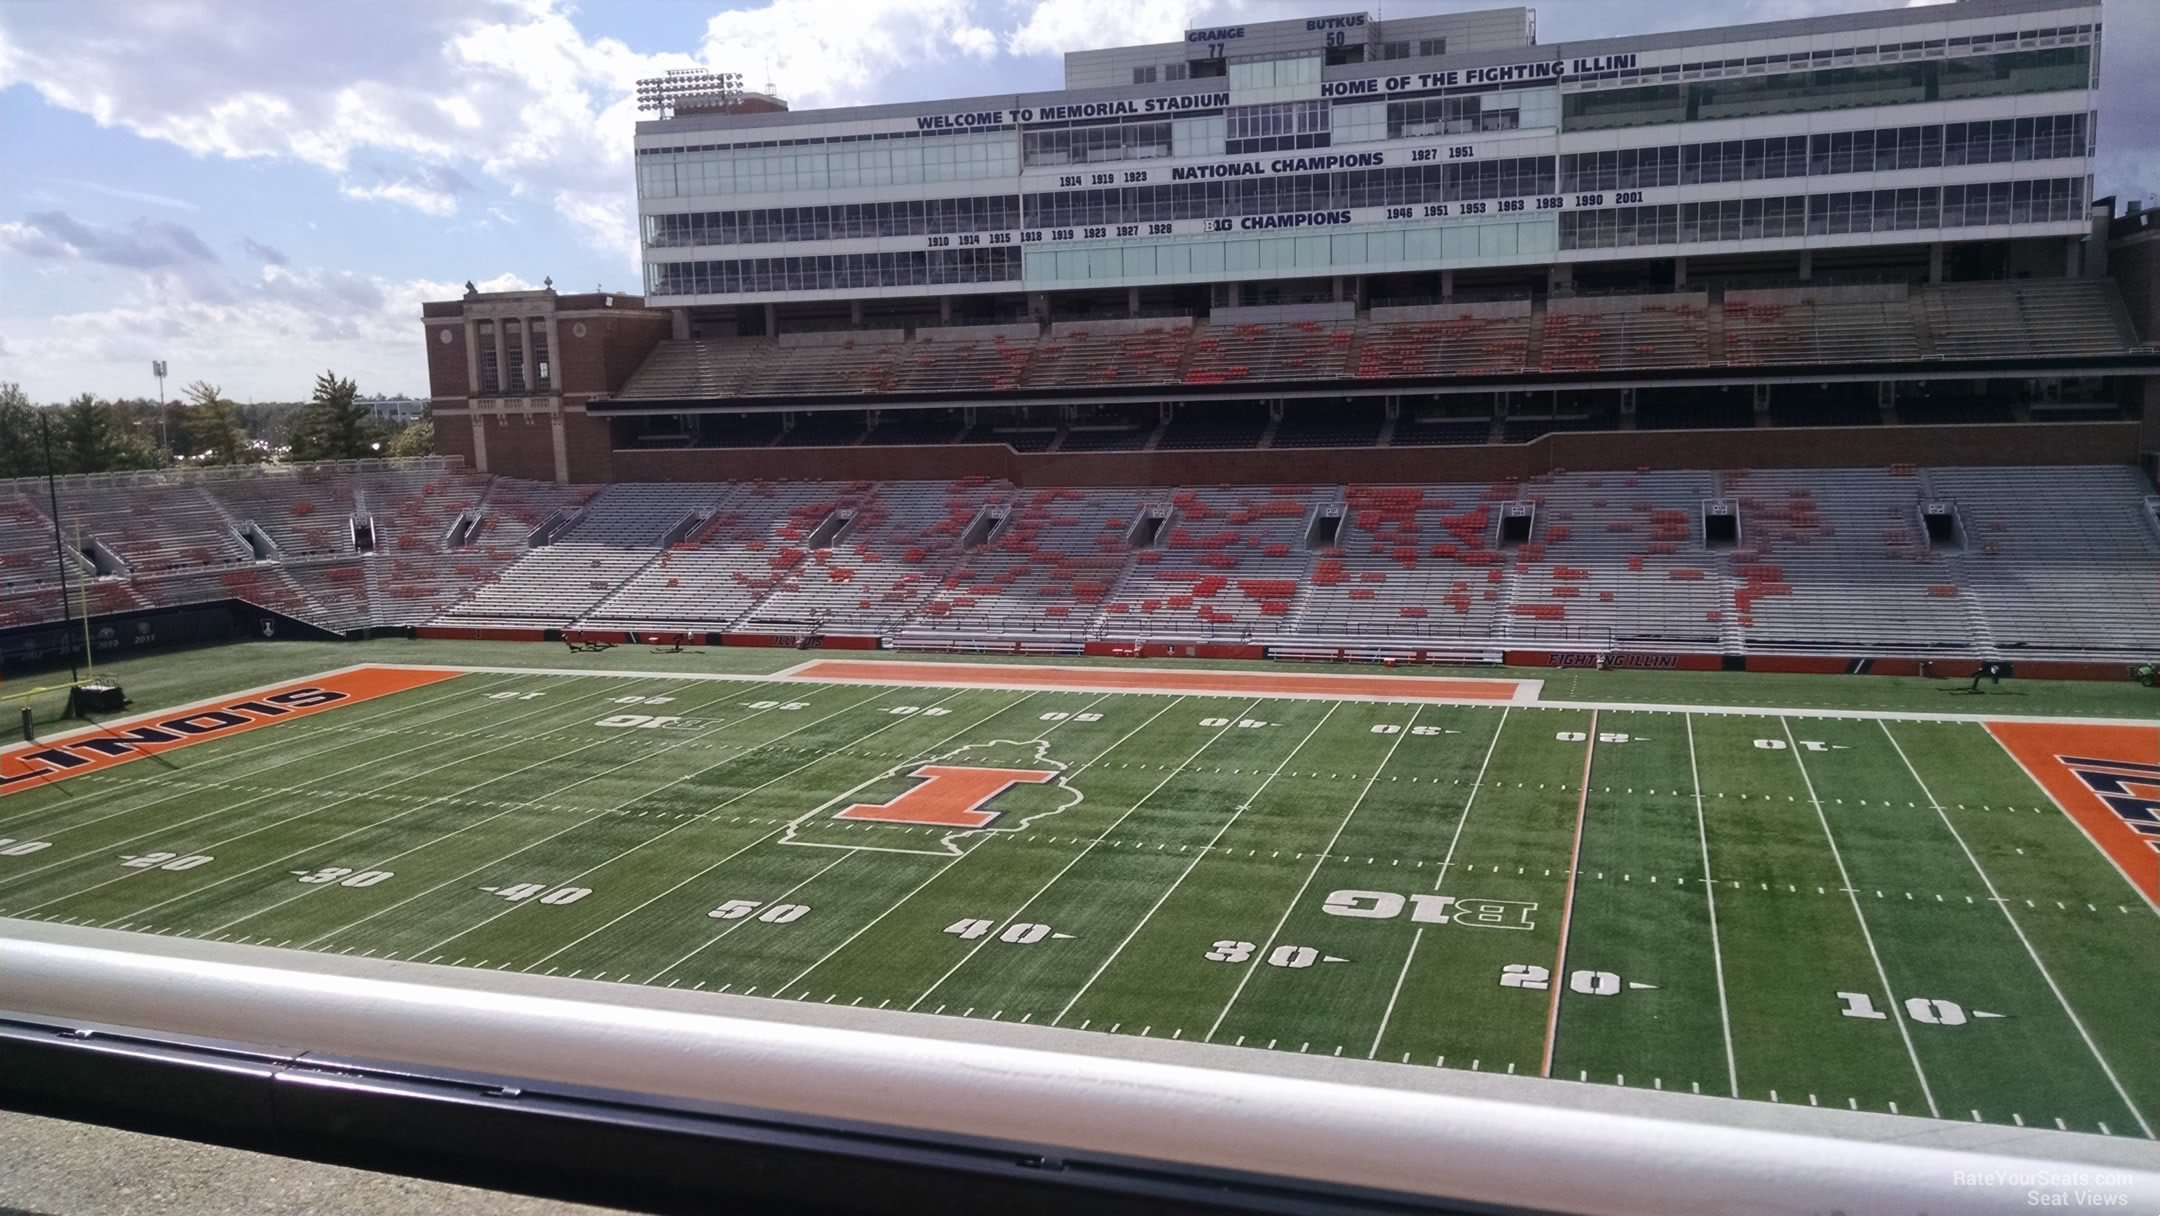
{"x":490,"y":367}
{"x":1173,"y":71}
{"x":1144,"y":75}
{"x":1430,"y":47}
{"x":1394,"y":50}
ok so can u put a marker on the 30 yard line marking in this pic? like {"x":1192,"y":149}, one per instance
{"x":1717,"y":953}
{"x":1996,"y":898}
{"x":1245,"y":976}
{"x":1845,"y":880}
{"x":1446,"y":867}
{"x":1164,"y":898}
{"x":1567,"y":905}
{"x":940,"y":871}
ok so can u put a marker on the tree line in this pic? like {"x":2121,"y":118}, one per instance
{"x":90,"y":434}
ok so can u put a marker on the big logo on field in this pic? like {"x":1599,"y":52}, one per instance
{"x":101,"y":747}
{"x":945,"y":804}
{"x":2108,"y":779}
{"x":951,"y":795}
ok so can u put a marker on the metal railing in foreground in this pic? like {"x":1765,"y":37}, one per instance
{"x":531,"y":1084}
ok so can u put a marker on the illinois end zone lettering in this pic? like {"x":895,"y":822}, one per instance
{"x":2107,"y":779}
{"x":950,"y":796}
{"x":100,"y":748}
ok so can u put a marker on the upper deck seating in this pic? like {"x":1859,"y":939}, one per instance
{"x":1831,"y":324}
{"x":1290,"y":350}
{"x":2026,"y":317}
{"x":1602,"y":333}
{"x":971,"y":358}
{"x":1095,"y":354}
{"x":1443,"y":340}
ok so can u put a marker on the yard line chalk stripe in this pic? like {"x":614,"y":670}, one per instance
{"x":1717,"y":954}
{"x":1567,"y":905}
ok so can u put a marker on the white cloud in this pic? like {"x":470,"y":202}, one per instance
{"x":1053,"y":27}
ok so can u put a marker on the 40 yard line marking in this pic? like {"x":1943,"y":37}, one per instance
{"x":1845,"y":879}
{"x":1717,"y":953}
{"x":1567,"y":905}
{"x":1245,"y":977}
{"x":1996,"y":897}
{"x":1446,"y":863}
{"x":940,"y":871}
{"x":1189,"y":866}
{"x":1099,"y":838}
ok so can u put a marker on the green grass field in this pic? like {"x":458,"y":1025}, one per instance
{"x":1867,"y":912}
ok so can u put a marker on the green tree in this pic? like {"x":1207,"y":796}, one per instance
{"x":21,"y":452}
{"x":334,"y":424}
{"x":211,"y":426}
{"x":87,"y":438}
{"x":416,"y":438}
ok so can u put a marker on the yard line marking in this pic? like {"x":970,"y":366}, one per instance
{"x":1835,"y":855}
{"x":1477,"y":783}
{"x":132,"y":840}
{"x":315,"y":754}
{"x":388,"y":819}
{"x":598,"y":815}
{"x":1717,"y":954}
{"x":1189,"y":866}
{"x":940,"y":871}
{"x":585,"y":815}
{"x":705,"y":814}
{"x":818,"y":873}
{"x":1567,"y":905}
{"x":1246,"y":975}
{"x":1075,"y":859}
{"x":2018,"y":929}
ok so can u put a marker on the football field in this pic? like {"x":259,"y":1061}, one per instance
{"x":1928,"y":915}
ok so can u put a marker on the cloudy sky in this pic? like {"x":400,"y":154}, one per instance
{"x":257,"y":190}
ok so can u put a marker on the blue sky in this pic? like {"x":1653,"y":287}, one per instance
{"x":258,"y":190}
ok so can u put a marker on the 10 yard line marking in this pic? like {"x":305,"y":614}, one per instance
{"x":1853,"y":894}
{"x":940,"y":871}
{"x":1567,"y":905}
{"x":1477,"y":783}
{"x":1189,"y":867}
{"x":1717,"y":954}
{"x":1245,"y":977}
{"x":1996,"y":897}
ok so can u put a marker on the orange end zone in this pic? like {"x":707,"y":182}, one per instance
{"x":96,"y":748}
{"x":2107,"y":778}
{"x":1169,"y":680}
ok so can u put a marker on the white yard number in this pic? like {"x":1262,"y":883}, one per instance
{"x":1227,"y":951}
{"x":1021,"y":933}
{"x":1593,"y":983}
{"x":1293,"y":957}
{"x":780,"y":705}
{"x":166,"y":861}
{"x":644,"y":700}
{"x":519,"y":892}
{"x":640,"y":721}
{"x":934,"y":711}
{"x":778,"y":914}
{"x":1806,"y":745}
{"x":1928,"y":1011}
{"x":1060,"y":717}
{"x":344,"y":877}
{"x":11,"y":847}
{"x":515,"y":696}
{"x":1525,"y":975}
{"x":1604,"y":736}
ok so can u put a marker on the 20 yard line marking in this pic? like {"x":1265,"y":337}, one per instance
{"x":1446,"y":863}
{"x":1189,"y":866}
{"x":1245,"y":977}
{"x":1567,"y":905}
{"x":1717,"y":953}
{"x":1845,"y":879}
{"x":940,"y":871}
{"x":2018,"y":929}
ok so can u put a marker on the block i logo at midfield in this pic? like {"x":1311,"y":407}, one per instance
{"x":948,"y":801}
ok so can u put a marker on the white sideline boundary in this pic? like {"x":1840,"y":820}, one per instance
{"x":791,"y":676}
